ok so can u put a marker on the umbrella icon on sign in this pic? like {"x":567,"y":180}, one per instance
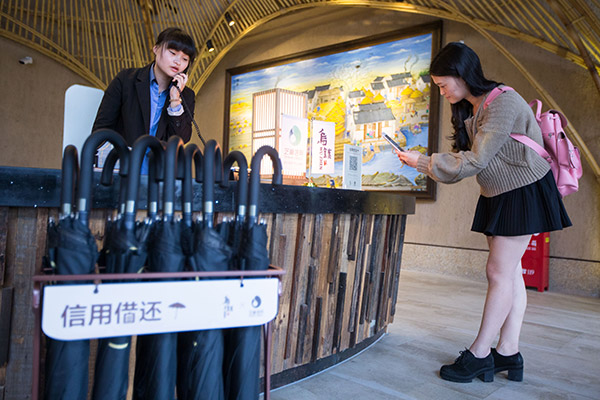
{"x":176,"y":306}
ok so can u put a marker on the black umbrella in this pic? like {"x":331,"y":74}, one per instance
{"x":156,"y":363}
{"x":242,"y":366}
{"x":192,"y":153}
{"x":106,"y":179}
{"x":125,"y":252}
{"x":235,"y":227}
{"x":75,"y":252}
{"x":201,"y":352}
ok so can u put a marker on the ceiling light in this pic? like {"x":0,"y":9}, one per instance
{"x":209,"y":45}
{"x":229,"y":20}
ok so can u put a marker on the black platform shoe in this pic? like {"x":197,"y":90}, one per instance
{"x":513,"y":364}
{"x":467,"y":366}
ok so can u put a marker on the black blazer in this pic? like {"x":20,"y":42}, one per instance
{"x":125,"y":107}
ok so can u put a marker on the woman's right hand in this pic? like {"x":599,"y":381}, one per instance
{"x":409,"y":158}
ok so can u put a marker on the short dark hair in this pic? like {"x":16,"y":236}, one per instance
{"x":460,"y":61}
{"x":176,"y":39}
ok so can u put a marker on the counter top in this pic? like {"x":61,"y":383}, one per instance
{"x":37,"y":187}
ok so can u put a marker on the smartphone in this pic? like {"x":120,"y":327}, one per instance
{"x":393,"y":143}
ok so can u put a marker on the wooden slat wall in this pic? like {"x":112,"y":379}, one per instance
{"x":339,"y":289}
{"x":96,"y":39}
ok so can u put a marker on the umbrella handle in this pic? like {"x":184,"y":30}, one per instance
{"x":86,"y":172}
{"x":138,"y":151}
{"x":242,"y":198}
{"x":70,"y":169}
{"x":255,"y":178}
{"x":192,"y":153}
{"x":212,"y":172}
{"x":174,"y":163}
{"x":106,"y":179}
{"x":154,"y":168}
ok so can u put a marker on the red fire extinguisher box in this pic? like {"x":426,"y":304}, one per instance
{"x":535,"y":261}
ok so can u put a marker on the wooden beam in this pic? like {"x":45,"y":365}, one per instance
{"x":591,"y":67}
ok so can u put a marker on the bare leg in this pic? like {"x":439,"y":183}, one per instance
{"x":508,"y":344}
{"x":506,"y":298}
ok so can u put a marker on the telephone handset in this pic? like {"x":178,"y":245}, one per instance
{"x":174,"y":83}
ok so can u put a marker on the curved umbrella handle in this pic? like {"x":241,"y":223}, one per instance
{"x":86,"y":173}
{"x":242,"y":198}
{"x":212,"y":172}
{"x":138,"y":152}
{"x":70,"y":169}
{"x":106,"y":178}
{"x":155,"y":169}
{"x":192,"y":153}
{"x":255,"y":178}
{"x":174,"y":162}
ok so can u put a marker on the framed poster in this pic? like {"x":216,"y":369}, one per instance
{"x":366,"y":87}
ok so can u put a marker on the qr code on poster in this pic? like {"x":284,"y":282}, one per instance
{"x":353,"y":163}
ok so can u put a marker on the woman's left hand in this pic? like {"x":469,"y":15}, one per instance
{"x":180,"y":80}
{"x":409,"y":158}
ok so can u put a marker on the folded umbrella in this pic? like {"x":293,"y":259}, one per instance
{"x":200,"y":353}
{"x":156,"y":362}
{"x":125,"y":252}
{"x":235,"y":227}
{"x":242,"y":364}
{"x":74,"y":252}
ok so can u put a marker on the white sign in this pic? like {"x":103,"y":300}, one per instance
{"x":81,"y":106}
{"x":73,"y":312}
{"x":293,"y":144}
{"x":352,"y":173}
{"x":322,"y":147}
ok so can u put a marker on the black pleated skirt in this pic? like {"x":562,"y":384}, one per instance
{"x":534,"y":208}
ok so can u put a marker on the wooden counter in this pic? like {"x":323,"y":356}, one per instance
{"x":341,"y":251}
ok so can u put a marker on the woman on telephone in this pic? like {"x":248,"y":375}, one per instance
{"x":145,"y":101}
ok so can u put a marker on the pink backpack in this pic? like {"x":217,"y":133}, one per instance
{"x":558,"y":150}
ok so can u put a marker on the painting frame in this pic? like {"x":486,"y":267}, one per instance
{"x":425,"y":191}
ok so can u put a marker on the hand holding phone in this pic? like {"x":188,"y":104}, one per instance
{"x":179,"y":81}
{"x":393,"y":142}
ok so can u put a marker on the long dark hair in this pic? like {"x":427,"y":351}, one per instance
{"x":460,"y":61}
{"x":176,"y":39}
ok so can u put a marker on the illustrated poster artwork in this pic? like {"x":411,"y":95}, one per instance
{"x":365,"y":92}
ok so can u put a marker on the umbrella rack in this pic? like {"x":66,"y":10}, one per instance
{"x":40,"y":281}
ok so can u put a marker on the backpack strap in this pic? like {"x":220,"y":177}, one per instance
{"x":527,"y":141}
{"x":538,"y":109}
{"x":494,"y":93}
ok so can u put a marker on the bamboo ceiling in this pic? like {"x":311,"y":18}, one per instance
{"x":98,"y":38}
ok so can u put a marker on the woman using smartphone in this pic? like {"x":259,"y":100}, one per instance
{"x":518,"y":198}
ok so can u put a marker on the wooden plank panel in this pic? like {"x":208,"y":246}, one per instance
{"x":352,"y":235}
{"x":3,"y":234}
{"x":303,"y":246}
{"x":328,"y":311}
{"x":400,"y":245}
{"x":286,"y":242}
{"x":317,"y":330}
{"x":354,"y":320}
{"x":341,"y":296}
{"x":349,"y":268}
{"x":302,"y":317}
{"x":5,"y":317}
{"x":309,"y":299}
{"x":375,"y":267}
{"x":333,"y":263}
{"x":25,"y":244}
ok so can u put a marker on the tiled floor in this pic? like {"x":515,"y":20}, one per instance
{"x":436,"y":316}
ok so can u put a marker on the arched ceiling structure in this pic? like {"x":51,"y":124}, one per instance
{"x":98,"y":38}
